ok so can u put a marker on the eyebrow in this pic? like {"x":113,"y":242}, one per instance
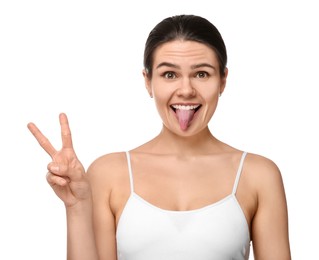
{"x":196,"y":66}
{"x":167,"y":64}
{"x":200,"y":65}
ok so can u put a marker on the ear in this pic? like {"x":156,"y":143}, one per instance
{"x":223,"y":82}
{"x":147,"y":83}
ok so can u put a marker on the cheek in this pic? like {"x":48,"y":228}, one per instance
{"x":161,"y":102}
{"x":161,"y":94}
{"x":162,"y":99}
{"x":209,"y":94}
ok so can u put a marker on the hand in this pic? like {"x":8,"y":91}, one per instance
{"x":66,"y":173}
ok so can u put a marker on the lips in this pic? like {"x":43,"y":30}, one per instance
{"x":185,"y":114}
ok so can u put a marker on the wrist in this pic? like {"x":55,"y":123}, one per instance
{"x":80,"y":208}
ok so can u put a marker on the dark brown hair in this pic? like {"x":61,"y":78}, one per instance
{"x":189,"y":28}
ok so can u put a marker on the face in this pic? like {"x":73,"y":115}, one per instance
{"x":185,"y":84}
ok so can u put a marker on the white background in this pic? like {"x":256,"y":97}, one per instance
{"x":85,"y":58}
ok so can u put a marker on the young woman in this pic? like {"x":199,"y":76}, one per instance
{"x":183,"y":195}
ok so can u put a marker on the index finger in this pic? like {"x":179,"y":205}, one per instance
{"x":42,"y":140}
{"x":65,"y":131}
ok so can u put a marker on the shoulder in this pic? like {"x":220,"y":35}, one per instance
{"x":110,"y":160}
{"x":270,"y":218}
{"x":263,"y":174}
{"x":262,"y":164}
{"x":107,"y":169}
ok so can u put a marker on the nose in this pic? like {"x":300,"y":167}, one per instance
{"x":185,"y":89}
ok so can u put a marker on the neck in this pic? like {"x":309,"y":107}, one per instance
{"x":201,"y":143}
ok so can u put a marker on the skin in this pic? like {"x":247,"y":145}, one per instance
{"x":199,"y":169}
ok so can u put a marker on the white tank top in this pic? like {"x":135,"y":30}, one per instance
{"x":215,"y":232}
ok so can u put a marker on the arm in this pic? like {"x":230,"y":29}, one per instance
{"x":80,"y":233}
{"x":270,"y":224}
{"x":67,"y":178}
{"x":101,"y":176}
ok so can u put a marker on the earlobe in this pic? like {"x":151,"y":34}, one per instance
{"x":147,"y":82}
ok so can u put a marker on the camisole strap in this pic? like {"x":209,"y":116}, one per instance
{"x":128,"y":158}
{"x":240,"y":168}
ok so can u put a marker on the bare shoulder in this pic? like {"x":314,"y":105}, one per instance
{"x":262,"y":163}
{"x":263,"y":173}
{"x":107,"y":169}
{"x":105,"y":175}
{"x":270,"y":220}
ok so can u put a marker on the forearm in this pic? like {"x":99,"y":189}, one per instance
{"x":80,"y":232}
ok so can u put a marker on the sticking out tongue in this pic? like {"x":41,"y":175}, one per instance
{"x":184,"y":117}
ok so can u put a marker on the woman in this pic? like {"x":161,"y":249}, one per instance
{"x":184,"y":194}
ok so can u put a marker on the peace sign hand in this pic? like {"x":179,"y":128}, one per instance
{"x":66,"y":173}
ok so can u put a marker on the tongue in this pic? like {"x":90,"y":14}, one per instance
{"x":184,"y":117}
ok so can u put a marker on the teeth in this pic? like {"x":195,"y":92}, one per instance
{"x":188,"y":107}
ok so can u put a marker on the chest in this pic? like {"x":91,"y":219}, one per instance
{"x":182,"y":184}
{"x":176,"y":184}
{"x":217,"y":231}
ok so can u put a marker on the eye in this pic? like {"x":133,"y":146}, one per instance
{"x":169,"y":75}
{"x":201,"y":74}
